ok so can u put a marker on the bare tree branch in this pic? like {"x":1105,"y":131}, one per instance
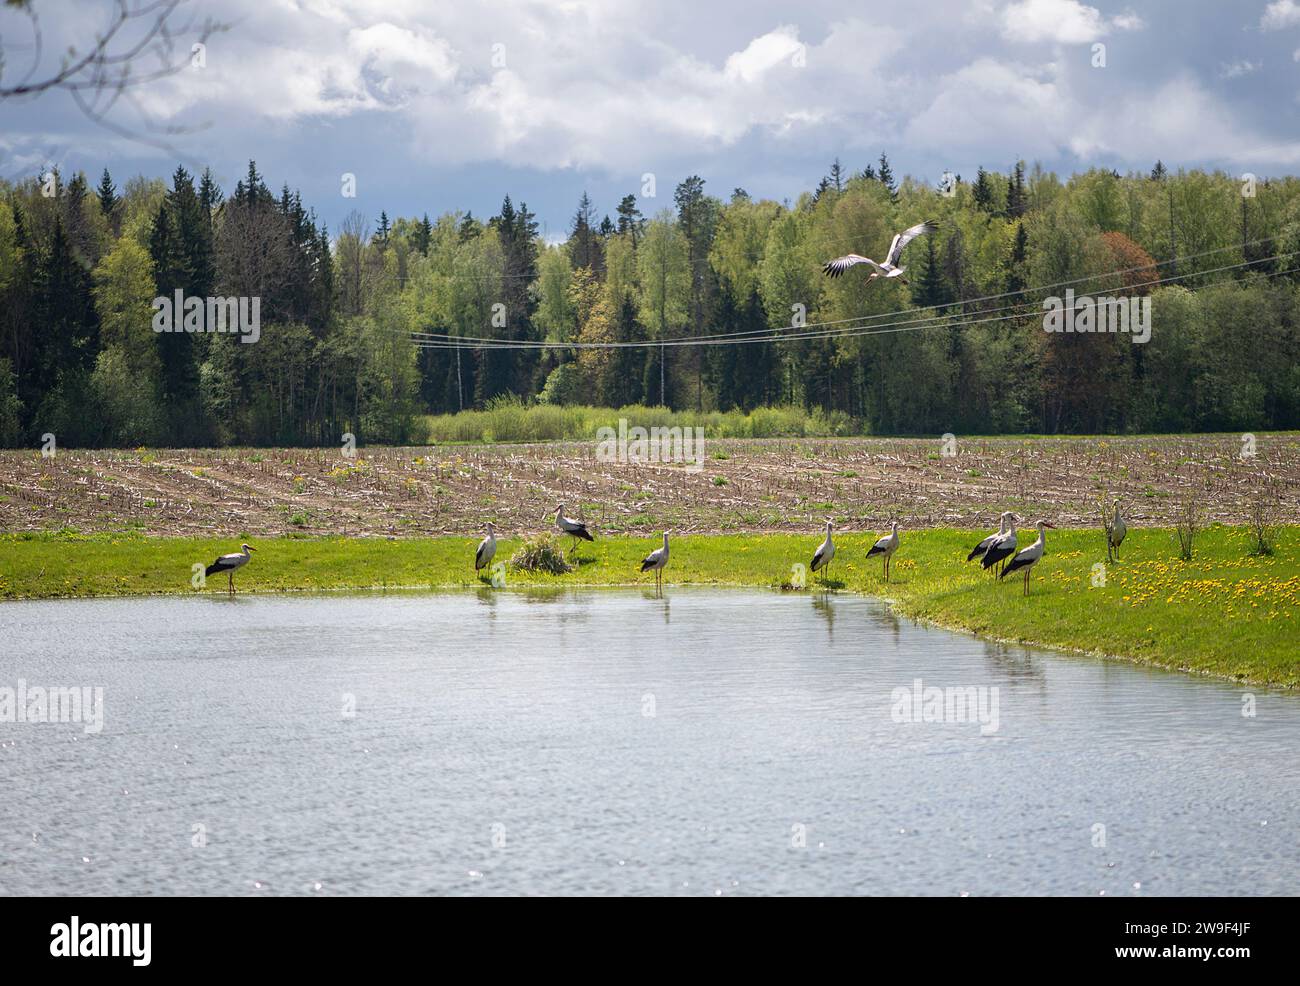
{"x":138,"y":47}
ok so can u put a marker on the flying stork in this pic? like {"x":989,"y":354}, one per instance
{"x":886,"y":547}
{"x":228,"y":564}
{"x":890,"y":267}
{"x":1027,"y":558}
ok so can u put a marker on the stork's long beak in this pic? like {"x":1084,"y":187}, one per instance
{"x":251,"y":548}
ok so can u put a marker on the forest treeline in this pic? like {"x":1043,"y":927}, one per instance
{"x":340,"y":348}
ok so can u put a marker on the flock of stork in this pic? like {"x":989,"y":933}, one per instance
{"x":997,"y":550}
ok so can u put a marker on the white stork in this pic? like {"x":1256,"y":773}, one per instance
{"x":1027,"y":558}
{"x":655,"y":562}
{"x":822,"y":556}
{"x":487,"y":549}
{"x":1003,"y":546}
{"x":890,"y":267}
{"x":575,"y":529}
{"x":1118,"y":529}
{"x":228,"y":564}
{"x":886,"y":547}
{"x":983,"y":546}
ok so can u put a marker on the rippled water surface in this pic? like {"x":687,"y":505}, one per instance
{"x":613,"y":743}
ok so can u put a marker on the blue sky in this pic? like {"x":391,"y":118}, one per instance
{"x":438,"y":106}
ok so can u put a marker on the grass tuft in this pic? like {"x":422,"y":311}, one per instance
{"x":540,"y":554}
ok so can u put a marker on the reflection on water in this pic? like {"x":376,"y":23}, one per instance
{"x":585,"y":742}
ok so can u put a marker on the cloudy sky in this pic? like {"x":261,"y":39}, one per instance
{"x":436,"y":106}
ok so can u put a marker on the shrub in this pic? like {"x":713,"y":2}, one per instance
{"x":541,"y":554}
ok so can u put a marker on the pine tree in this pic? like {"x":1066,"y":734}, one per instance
{"x":837,"y":176}
{"x":424,"y":235}
{"x":81,"y":235}
{"x":697,"y":217}
{"x":1158,"y":173}
{"x":65,"y":309}
{"x":629,"y":217}
{"x":210,"y":196}
{"x":380,"y":238}
{"x":983,"y":191}
{"x":252,"y":190}
{"x":469,"y":228}
{"x":584,"y":245}
{"x":885,"y":174}
{"x":66,"y":344}
{"x":930,"y":290}
{"x":1017,"y":199}
{"x":955,"y":268}
{"x":107,"y":193}
{"x":869,"y":173}
{"x":1015,"y":282}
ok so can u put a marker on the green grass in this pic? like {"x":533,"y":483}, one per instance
{"x":508,"y":420}
{"x":1227,"y":612}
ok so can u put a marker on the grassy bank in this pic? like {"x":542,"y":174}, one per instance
{"x":512,"y":421}
{"x":1227,"y":612}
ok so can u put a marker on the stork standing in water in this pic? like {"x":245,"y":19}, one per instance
{"x":886,"y":547}
{"x":983,"y":546}
{"x":487,"y":549}
{"x":1118,"y":529}
{"x":567,"y":525}
{"x":1027,"y":558}
{"x":889,"y":268}
{"x":1003,"y":546}
{"x":655,"y":562}
{"x":822,"y":556}
{"x":229,"y":564}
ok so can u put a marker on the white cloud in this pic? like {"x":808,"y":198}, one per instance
{"x":779,"y":47}
{"x":1180,"y":121}
{"x":1062,"y":21}
{"x":988,"y":110}
{"x":1235,"y":70}
{"x":1280,"y":14}
{"x":597,"y":86}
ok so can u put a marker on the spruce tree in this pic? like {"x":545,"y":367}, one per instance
{"x":837,"y":176}
{"x":424,"y":235}
{"x":107,"y":193}
{"x":629,"y":217}
{"x":930,"y":290}
{"x":1015,"y":282}
{"x":885,"y":174}
{"x":983,"y":191}
{"x":1017,"y":199}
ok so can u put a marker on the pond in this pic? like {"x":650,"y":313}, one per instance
{"x":711,"y":742}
